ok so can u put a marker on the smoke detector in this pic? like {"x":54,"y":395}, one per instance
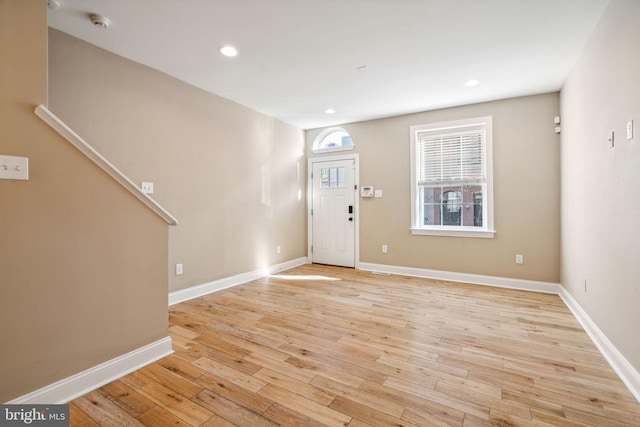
{"x":99,"y":21}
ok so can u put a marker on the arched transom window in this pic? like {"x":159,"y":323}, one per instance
{"x":332,"y":139}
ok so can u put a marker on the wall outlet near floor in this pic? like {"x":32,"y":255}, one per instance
{"x":384,"y":249}
{"x":584,"y":283}
{"x":278,"y":249}
{"x":178,"y":269}
{"x":519,"y":259}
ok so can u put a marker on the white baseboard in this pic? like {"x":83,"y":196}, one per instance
{"x":81,"y":383}
{"x":627,"y":373}
{"x":228,"y":282}
{"x":476,"y":279}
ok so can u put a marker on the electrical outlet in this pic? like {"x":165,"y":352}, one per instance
{"x":630,"y":129}
{"x":178,"y":269}
{"x":519,"y":259}
{"x":384,"y":249}
{"x":147,"y":187}
{"x":278,"y":249}
{"x":584,"y":283}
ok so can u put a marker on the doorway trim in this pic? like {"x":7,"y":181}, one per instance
{"x":356,"y":178}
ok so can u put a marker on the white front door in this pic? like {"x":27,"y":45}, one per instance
{"x":333,"y":213}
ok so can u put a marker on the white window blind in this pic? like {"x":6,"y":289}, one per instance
{"x":453,"y":157}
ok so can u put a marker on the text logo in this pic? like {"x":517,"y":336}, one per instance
{"x":34,"y":415}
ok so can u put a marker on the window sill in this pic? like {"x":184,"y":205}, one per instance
{"x":450,"y":232}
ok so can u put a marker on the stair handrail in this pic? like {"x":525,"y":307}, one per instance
{"x":67,"y":133}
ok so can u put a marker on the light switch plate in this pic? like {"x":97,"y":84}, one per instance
{"x":630,"y":129}
{"x":378,"y":193}
{"x":12,"y":167}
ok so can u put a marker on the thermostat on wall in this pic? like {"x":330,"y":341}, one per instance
{"x":366,"y":192}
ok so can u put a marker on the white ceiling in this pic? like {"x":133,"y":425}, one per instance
{"x":298,"y":58}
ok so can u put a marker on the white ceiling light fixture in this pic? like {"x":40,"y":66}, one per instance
{"x":229,"y":51}
{"x":330,"y":111}
{"x":471,"y":83}
{"x":99,"y":21}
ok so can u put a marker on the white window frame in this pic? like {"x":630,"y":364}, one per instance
{"x":417,"y":228}
{"x":322,"y":135}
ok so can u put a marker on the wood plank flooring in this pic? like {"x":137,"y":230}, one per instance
{"x":328,"y":346}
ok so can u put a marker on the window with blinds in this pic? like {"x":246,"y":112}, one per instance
{"x":451,"y":178}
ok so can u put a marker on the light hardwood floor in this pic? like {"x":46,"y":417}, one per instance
{"x":322,"y":345}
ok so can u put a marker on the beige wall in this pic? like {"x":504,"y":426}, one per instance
{"x":526,"y":193}
{"x":82,"y":262}
{"x":230,"y":175}
{"x":601,"y":186}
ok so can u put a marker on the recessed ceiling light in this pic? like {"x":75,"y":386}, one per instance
{"x":330,"y":111}
{"x":472,"y":83}
{"x":228,"y":51}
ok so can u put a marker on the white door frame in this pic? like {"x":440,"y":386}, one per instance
{"x":356,"y":179}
